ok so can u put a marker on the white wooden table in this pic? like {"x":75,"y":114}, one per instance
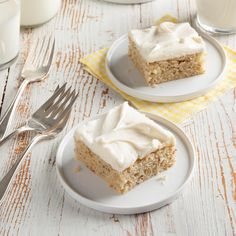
{"x":37,"y":204}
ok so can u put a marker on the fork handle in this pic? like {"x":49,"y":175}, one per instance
{"x":14,"y":133}
{"x":7,"y":117}
{"x":6,"y":180}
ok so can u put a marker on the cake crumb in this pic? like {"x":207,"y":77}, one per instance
{"x":162,"y":178}
{"x":114,"y":218}
{"x":77,"y":169}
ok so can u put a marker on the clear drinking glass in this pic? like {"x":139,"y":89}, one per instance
{"x":217,"y":16}
{"x":9,"y":31}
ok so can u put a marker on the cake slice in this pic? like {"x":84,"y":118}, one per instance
{"x":167,"y":52}
{"x":124,"y":147}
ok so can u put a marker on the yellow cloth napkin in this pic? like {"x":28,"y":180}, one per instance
{"x":176,"y":112}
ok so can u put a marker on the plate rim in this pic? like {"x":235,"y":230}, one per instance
{"x":107,"y":208}
{"x":164,"y":99}
{"x":129,"y":1}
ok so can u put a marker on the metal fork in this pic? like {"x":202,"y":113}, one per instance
{"x":39,"y":120}
{"x":47,"y":121}
{"x":29,"y":75}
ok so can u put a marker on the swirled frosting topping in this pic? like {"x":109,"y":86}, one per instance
{"x":123,"y":135}
{"x":166,"y":41}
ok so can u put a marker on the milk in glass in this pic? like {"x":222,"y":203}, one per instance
{"x":217,"y":15}
{"x":37,"y":12}
{"x":9,"y":31}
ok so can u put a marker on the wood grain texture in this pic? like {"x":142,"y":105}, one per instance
{"x":36,"y":204}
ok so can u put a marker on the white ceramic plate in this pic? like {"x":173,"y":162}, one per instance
{"x":127,"y":78}
{"x":128,"y":1}
{"x":92,"y":191}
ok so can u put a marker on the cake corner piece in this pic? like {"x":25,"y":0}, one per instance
{"x":166,"y":52}
{"x":122,"y":150}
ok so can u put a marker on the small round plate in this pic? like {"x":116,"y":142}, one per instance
{"x":90,"y":190}
{"x":127,"y":78}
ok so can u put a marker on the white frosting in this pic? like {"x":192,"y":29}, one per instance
{"x":122,"y":136}
{"x":167,"y":40}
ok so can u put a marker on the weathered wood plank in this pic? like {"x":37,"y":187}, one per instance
{"x":207,"y":206}
{"x":3,"y":84}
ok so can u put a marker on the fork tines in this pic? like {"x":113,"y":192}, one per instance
{"x":60,"y":103}
{"x":43,"y":52}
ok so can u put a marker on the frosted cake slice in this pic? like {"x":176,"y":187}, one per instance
{"x":124,"y":147}
{"x":167,"y":52}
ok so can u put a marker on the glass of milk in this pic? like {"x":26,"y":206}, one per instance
{"x":9,"y":31}
{"x":37,"y":12}
{"x":217,"y":16}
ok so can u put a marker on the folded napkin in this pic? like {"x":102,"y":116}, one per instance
{"x":176,"y":112}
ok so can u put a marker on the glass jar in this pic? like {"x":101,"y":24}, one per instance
{"x":9,"y":31}
{"x":37,"y":12}
{"x":217,"y":16}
